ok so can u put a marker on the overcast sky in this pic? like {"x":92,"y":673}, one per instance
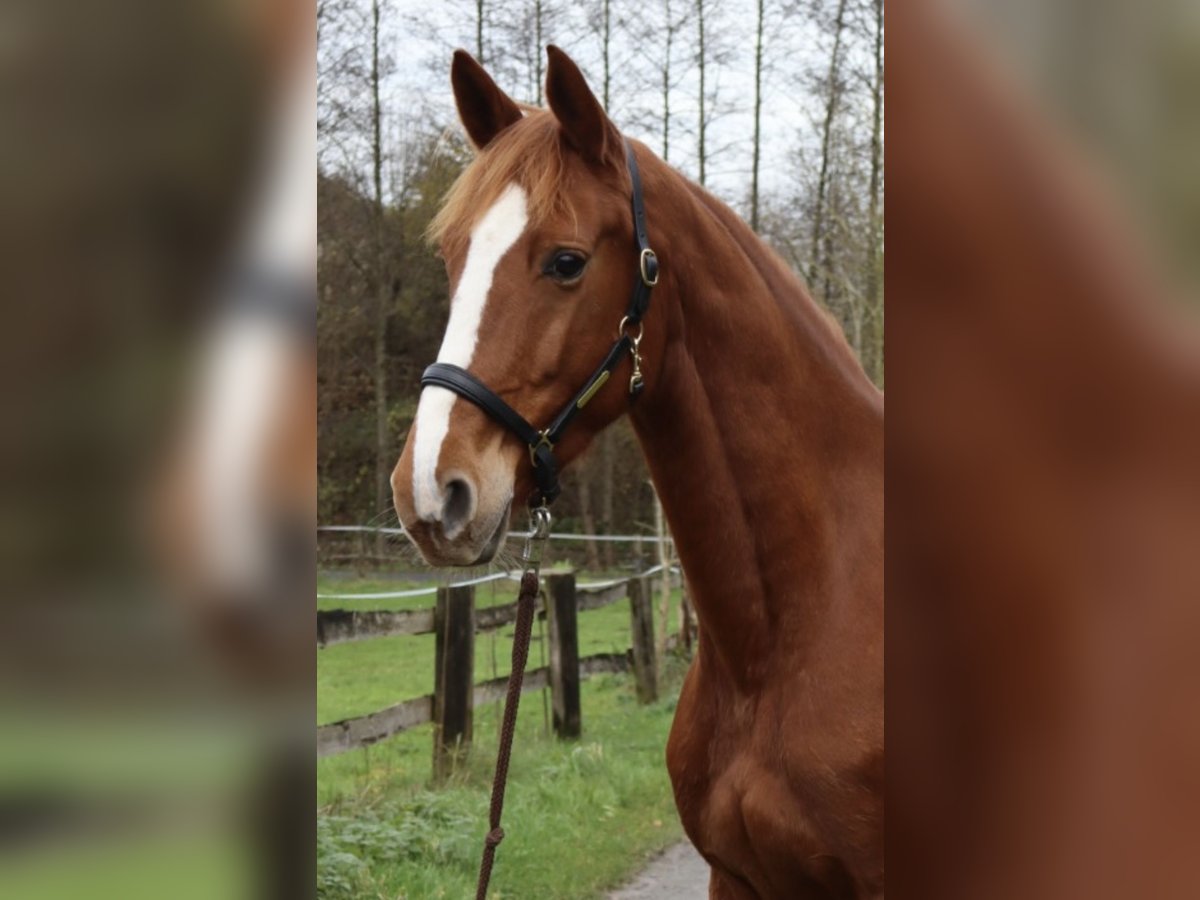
{"x":421,"y":35}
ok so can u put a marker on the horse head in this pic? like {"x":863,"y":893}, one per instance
{"x":539,"y":246}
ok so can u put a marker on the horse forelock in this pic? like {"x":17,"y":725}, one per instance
{"x":531,"y":153}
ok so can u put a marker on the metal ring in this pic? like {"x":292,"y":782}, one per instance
{"x":540,"y":522}
{"x":543,"y":438}
{"x":539,"y":530}
{"x":641,"y":330}
{"x":648,"y":254}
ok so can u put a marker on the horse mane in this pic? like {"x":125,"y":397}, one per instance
{"x":782,"y":282}
{"x":530,"y":153}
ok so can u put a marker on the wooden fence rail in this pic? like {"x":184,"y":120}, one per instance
{"x":454,"y":621}
{"x":351,"y":734}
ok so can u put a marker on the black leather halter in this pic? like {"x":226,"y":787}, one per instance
{"x":541,"y":443}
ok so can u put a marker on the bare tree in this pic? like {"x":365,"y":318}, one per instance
{"x":702,"y":63}
{"x":608,"y":457}
{"x":343,"y":76}
{"x":449,"y":25}
{"x":664,"y":560}
{"x":584,"y":485}
{"x":602,"y":26}
{"x":479,"y":32}
{"x":606,"y":43}
{"x":672,"y":26}
{"x":715,"y":45}
{"x":540,"y":41}
{"x":758,"y":89}
{"x":833,"y":92}
{"x":608,"y":448}
{"x":383,"y":445}
{"x":874,"y":256}
{"x":520,"y":33}
{"x":666,"y":82}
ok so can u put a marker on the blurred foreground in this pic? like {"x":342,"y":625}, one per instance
{"x":158,"y":225}
{"x":1043,"y":452}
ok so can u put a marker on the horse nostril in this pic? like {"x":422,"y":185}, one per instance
{"x":456,"y":507}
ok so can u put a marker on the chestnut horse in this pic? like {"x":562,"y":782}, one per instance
{"x":764,"y":438}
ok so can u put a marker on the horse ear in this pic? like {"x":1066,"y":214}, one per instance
{"x":583,"y":121}
{"x":485,"y":110}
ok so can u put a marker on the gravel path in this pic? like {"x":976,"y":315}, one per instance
{"x":680,"y":873}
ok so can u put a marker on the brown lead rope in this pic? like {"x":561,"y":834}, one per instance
{"x":526,"y":604}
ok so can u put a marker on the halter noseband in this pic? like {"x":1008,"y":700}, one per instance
{"x":541,"y":443}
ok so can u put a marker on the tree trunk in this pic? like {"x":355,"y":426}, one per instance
{"x":664,"y":560}
{"x":831,"y":109}
{"x":666,"y":85}
{"x":479,"y":31}
{"x":703,"y":118}
{"x":537,"y":50}
{"x":584,"y":482}
{"x":831,"y":290}
{"x":758,"y":55}
{"x":607,"y":64}
{"x":687,"y":620}
{"x":873,"y":299}
{"x":608,"y":455}
{"x":382,"y":444}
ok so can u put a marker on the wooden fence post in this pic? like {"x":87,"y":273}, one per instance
{"x":641,"y":616}
{"x":562,"y":622}
{"x":454,"y":677}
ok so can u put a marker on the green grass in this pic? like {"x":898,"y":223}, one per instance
{"x":361,"y":677}
{"x":158,"y":800}
{"x":580,"y":817}
{"x":184,"y":865}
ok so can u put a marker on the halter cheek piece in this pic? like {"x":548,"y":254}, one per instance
{"x":541,"y":443}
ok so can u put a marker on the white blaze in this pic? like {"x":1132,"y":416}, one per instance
{"x":491,"y":238}
{"x":244,"y":374}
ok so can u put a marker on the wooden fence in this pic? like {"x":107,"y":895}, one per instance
{"x":454,"y":622}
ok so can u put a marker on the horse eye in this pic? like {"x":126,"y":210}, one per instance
{"x":566,"y":266}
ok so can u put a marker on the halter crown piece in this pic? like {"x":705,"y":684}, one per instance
{"x":541,"y":443}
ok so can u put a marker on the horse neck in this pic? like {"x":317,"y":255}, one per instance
{"x":762,"y":434}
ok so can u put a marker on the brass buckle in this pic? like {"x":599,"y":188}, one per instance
{"x":646,"y":256}
{"x":533,"y":448}
{"x":592,"y":389}
{"x":636,"y":382}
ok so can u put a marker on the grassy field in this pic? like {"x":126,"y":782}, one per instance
{"x":580,"y":817}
